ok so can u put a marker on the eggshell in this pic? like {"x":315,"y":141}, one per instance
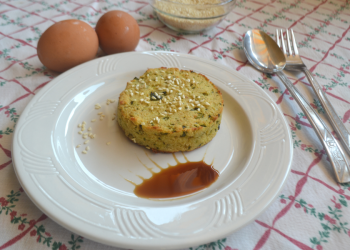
{"x":66,"y":44}
{"x":117,"y":32}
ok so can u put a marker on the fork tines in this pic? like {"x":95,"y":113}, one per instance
{"x":290,"y":40}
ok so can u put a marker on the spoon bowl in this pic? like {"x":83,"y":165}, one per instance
{"x":263,"y":52}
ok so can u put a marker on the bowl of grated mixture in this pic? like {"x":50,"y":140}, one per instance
{"x":192,"y":16}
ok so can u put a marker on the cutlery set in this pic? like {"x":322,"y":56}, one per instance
{"x":267,"y":56}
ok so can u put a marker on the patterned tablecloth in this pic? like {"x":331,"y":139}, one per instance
{"x":312,"y":211}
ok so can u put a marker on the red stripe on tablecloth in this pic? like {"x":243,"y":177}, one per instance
{"x":18,"y":99}
{"x":301,"y":18}
{"x":15,"y":62}
{"x":332,"y":47}
{"x":21,"y":235}
{"x":346,"y":116}
{"x":5,"y":164}
{"x":41,"y":85}
{"x":24,"y":10}
{"x":6,"y":151}
{"x":339,"y":98}
{"x":18,"y":40}
{"x":299,"y":186}
{"x":323,"y":183}
{"x":241,"y":66}
{"x":297,"y":118}
{"x":294,"y":241}
{"x":15,"y":81}
{"x":169,"y":34}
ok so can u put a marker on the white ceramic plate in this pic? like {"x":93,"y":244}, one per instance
{"x":88,"y":193}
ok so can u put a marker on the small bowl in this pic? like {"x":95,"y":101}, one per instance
{"x":187,"y":17}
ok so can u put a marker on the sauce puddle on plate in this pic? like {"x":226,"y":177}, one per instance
{"x":176,"y":181}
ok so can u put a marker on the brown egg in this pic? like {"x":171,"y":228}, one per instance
{"x":117,"y":32}
{"x":66,"y":44}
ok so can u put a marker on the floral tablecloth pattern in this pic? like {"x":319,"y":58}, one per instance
{"x":312,"y":211}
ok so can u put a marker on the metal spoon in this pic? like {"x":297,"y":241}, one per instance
{"x":264,"y":54}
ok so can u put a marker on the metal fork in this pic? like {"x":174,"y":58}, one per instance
{"x":295,"y":63}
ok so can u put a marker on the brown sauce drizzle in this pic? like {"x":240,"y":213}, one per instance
{"x":176,"y":181}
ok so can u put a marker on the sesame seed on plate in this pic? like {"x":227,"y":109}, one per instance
{"x":84,"y":152}
{"x":78,"y":146}
{"x":86,"y":142}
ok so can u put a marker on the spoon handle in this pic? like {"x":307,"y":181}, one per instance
{"x":334,"y":152}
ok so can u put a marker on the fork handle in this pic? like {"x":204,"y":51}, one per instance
{"x":334,"y":119}
{"x":334,"y":152}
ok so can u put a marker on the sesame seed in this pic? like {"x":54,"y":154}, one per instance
{"x":86,"y":133}
{"x":188,"y":80}
{"x":196,"y":102}
{"x":169,"y":109}
{"x":179,"y":98}
{"x":154,"y":98}
{"x":100,"y":113}
{"x":93,"y":120}
{"x":80,"y":132}
{"x":175,"y":99}
{"x":175,"y":110}
{"x":151,"y":108}
{"x":162,"y":114}
{"x":131,"y":94}
{"x":83,"y":128}
{"x":87,"y":148}
{"x":179,"y":108}
{"x":141,"y":100}
{"x":170,"y":113}
{"x":97,"y":106}
{"x":198,"y":109}
{"x":90,"y":134}
{"x":89,"y":129}
{"x":183,"y":96}
{"x":86,"y":142}
{"x":192,"y":104}
{"x":169,"y":77}
{"x":137,"y":92}
{"x":207,"y":104}
{"x":84,"y":122}
{"x":108,"y":143}
{"x":78,"y":146}
{"x":190,"y":100}
{"x":84,"y":152}
{"x":85,"y":137}
{"x":142,"y":93}
{"x":79,"y":125}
